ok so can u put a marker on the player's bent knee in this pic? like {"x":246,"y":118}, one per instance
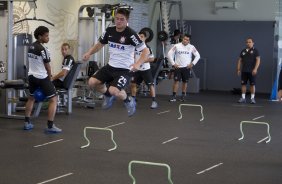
{"x":92,"y":82}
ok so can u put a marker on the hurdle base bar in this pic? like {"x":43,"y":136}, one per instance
{"x":191,"y":105}
{"x":149,"y":163}
{"x":97,"y":128}
{"x":255,"y":122}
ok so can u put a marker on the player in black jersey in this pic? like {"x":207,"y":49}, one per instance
{"x":67,"y":63}
{"x":122,"y":41}
{"x":247,"y":67}
{"x":39,"y":76}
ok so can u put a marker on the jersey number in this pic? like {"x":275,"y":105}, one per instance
{"x":122,"y":81}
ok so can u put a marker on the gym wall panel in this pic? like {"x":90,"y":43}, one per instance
{"x":220,"y":42}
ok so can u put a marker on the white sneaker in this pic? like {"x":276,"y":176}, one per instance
{"x":53,"y":130}
{"x":154,"y":105}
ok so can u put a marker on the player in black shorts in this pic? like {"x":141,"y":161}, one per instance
{"x":122,"y":41}
{"x":39,"y":76}
{"x":67,"y":63}
{"x":181,"y":58}
{"x":144,"y":74}
{"x":247,"y":67}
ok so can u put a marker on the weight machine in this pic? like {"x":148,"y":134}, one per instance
{"x":93,"y":19}
{"x":16,"y":65}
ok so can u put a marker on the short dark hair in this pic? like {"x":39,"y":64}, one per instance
{"x":40,"y":31}
{"x":187,"y":35}
{"x":250,"y":38}
{"x":143,"y":33}
{"x":124,"y":12}
{"x":66,"y":45}
{"x":176,"y":32}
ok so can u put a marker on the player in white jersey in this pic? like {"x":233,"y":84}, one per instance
{"x":122,"y":41}
{"x":180,"y":57}
{"x":39,"y":76}
{"x":144,"y":73}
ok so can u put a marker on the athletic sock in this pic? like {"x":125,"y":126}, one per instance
{"x":153,"y":98}
{"x":50,"y":124}
{"x":243,"y":96}
{"x":252,"y":96}
{"x":174,"y":94}
{"x":27,"y":119}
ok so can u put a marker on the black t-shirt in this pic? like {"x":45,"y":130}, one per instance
{"x":67,"y":64}
{"x":248,"y":57}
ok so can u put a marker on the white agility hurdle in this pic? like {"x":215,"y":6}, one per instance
{"x":103,"y":129}
{"x":191,"y":105}
{"x":255,"y":122}
{"x":148,"y":163}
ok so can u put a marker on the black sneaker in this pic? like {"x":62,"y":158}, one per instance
{"x":182,"y":99}
{"x":173,"y":99}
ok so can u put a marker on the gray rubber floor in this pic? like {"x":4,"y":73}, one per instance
{"x":198,"y":152}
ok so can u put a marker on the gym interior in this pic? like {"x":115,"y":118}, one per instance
{"x":208,"y":138}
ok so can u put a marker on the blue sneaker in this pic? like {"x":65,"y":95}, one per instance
{"x":108,"y":102}
{"x":53,"y":130}
{"x":130,"y":106}
{"x":28,"y":126}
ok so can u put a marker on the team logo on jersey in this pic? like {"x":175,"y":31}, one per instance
{"x":135,"y":40}
{"x":182,"y":52}
{"x":252,"y":52}
{"x":122,"y":39}
{"x":243,"y":53}
{"x":30,"y":55}
{"x":117,"y":46}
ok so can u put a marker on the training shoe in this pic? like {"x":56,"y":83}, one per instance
{"x":253,"y":101}
{"x":53,"y":130}
{"x":173,"y":99}
{"x":182,"y":99}
{"x":28,"y":126}
{"x":130,"y":106}
{"x":242,"y":100}
{"x":108,"y":102}
{"x":154,"y":105}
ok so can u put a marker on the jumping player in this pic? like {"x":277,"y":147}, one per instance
{"x":122,"y":41}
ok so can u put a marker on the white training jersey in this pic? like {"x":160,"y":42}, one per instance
{"x":144,"y":66}
{"x":182,"y":55}
{"x":122,"y":46}
{"x":37,"y":55}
